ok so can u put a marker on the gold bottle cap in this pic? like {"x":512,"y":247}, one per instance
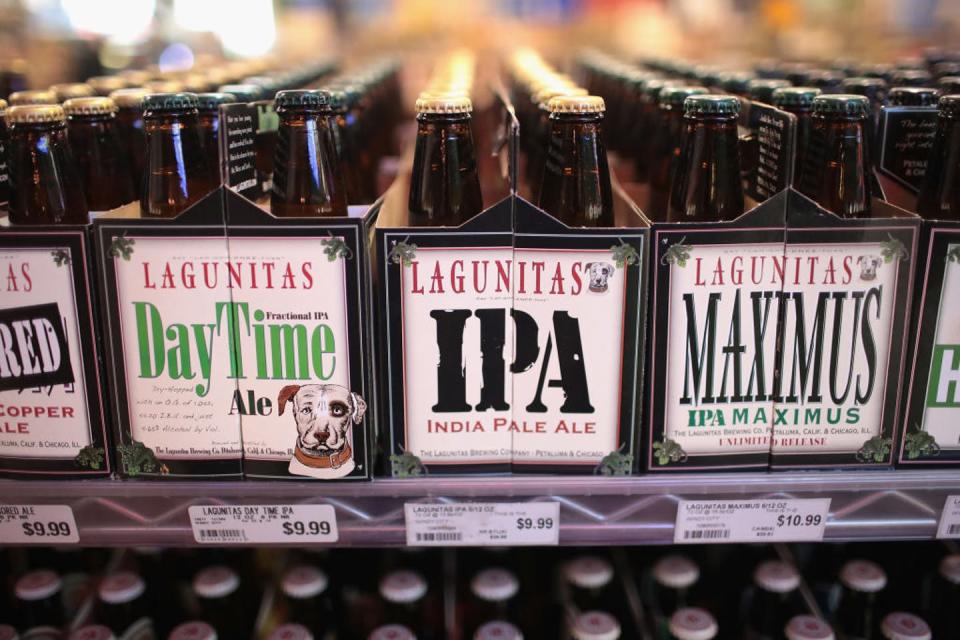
{"x":36,"y":96}
{"x":105,"y":84}
{"x":89,"y":106}
{"x":67,"y":90}
{"x":136,"y":77}
{"x":444,"y":103}
{"x":35,"y":113}
{"x":544,"y":95}
{"x":163,"y":86}
{"x":128,"y":98}
{"x":3,"y":107}
{"x":576,"y":104}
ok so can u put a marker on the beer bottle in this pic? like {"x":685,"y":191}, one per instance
{"x":904,"y":626}
{"x":761,"y":89}
{"x":343,"y":132}
{"x":392,"y":632}
{"x":949,"y":85}
{"x":736,"y":82}
{"x":38,"y":602}
{"x":403,"y":594}
{"x":911,"y":78}
{"x":939,"y":196}
{"x":498,"y":630}
{"x":541,"y":133}
{"x":807,"y":627}
{"x":858,"y":612}
{"x":666,"y":146}
{"x":673,"y":579}
{"x":95,"y":142}
{"x":133,"y":138}
{"x":45,"y":186}
{"x":194,"y":630}
{"x":825,"y":80}
{"x":874,"y":89}
{"x":444,"y":185}
{"x":595,"y":625}
{"x":177,"y":172}
{"x":93,"y":632}
{"x":774,"y":600}
{"x":123,"y":604}
{"x":307,"y":600}
{"x":37,"y":96}
{"x":291,"y":632}
{"x":105,"y":85}
{"x":706,"y":186}
{"x":945,"y":598}
{"x":693,"y":623}
{"x":589,"y":580}
{"x":66,"y":90}
{"x":217,"y":590}
{"x":799,"y":102}
{"x":913,"y":97}
{"x":797,"y":73}
{"x":576,"y":186}
{"x":837,"y":164}
{"x":647,"y":126}
{"x":209,"y":118}
{"x":494,"y":594}
{"x":307,"y":181}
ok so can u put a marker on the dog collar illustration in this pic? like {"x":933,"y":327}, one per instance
{"x":324,"y":415}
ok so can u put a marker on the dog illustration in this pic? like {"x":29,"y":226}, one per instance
{"x":869,"y":266}
{"x":599,"y":272}
{"x":324,"y":414}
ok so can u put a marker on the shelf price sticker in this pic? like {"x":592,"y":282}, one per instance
{"x":264,"y":524}
{"x":38,"y":524}
{"x":950,"y":519}
{"x":482,"y":524}
{"x":793,"y":520}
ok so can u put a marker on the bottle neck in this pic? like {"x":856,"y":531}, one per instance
{"x":837,"y":165}
{"x":707,"y":184}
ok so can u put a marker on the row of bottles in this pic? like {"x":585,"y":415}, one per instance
{"x":857,"y":591}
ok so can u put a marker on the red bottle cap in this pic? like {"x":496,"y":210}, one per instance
{"x":595,"y":625}
{"x":863,"y":576}
{"x":194,"y":630}
{"x":693,"y":623}
{"x":291,"y":632}
{"x":215,"y":582}
{"x":588,"y":572}
{"x":403,"y":587}
{"x":807,"y":627}
{"x":904,"y":626}
{"x":498,"y":630}
{"x":495,"y":585}
{"x":304,"y":581}
{"x":37,"y":585}
{"x":776,"y":577}
{"x":121,"y":587}
{"x":392,"y":632}
{"x":676,"y":572}
{"x":93,"y":632}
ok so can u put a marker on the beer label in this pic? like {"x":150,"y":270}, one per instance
{"x":932,"y":428}
{"x":238,"y":147}
{"x":50,"y":417}
{"x":178,"y":331}
{"x":775,"y":134}
{"x":906,"y":140}
{"x":513,"y":352}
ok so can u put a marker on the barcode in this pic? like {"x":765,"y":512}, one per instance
{"x":221,"y":534}
{"x":953,"y":529}
{"x":706,"y":534}
{"x":454,"y":536}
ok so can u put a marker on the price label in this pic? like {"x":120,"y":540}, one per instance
{"x":38,"y":524}
{"x":704,"y":521}
{"x":950,"y":518}
{"x":264,"y":524}
{"x":482,"y":524}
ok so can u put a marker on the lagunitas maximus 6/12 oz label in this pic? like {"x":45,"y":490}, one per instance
{"x":52,"y":419}
{"x":511,"y":352}
{"x":846,"y":302}
{"x":171,"y":327}
{"x":301,"y":351}
{"x":931,"y":430}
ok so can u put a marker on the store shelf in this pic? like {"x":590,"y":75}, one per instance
{"x":594,"y":510}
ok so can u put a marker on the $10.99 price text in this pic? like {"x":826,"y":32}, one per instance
{"x":808,"y":520}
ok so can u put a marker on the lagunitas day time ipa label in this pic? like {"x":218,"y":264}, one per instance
{"x":51,"y":412}
{"x":932,"y":427}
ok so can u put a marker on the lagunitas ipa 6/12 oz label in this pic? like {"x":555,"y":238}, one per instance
{"x":51,"y":410}
{"x":932,"y":428}
{"x":511,"y":352}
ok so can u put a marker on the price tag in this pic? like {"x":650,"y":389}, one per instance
{"x":482,"y":524}
{"x":250,"y":523}
{"x":950,"y":518}
{"x":38,"y":524}
{"x":704,"y":521}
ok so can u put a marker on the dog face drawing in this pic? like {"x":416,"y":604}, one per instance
{"x":324,"y":414}
{"x":599,"y":273}
{"x":869,"y":266}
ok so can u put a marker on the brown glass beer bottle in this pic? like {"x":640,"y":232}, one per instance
{"x":130,"y":127}
{"x":541,"y":132}
{"x":761,"y":89}
{"x":576,"y":178}
{"x":913,"y":97}
{"x":706,"y":186}
{"x":940,"y":194}
{"x":949,"y":85}
{"x":95,"y":142}
{"x":799,"y":102}
{"x":666,"y":146}
{"x":45,"y":186}
{"x":209,"y":118}
{"x":343,"y":141}
{"x":307,"y":181}
{"x":177,"y":174}
{"x":444,"y":185}
{"x":837,"y":164}
{"x":648,"y":118}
